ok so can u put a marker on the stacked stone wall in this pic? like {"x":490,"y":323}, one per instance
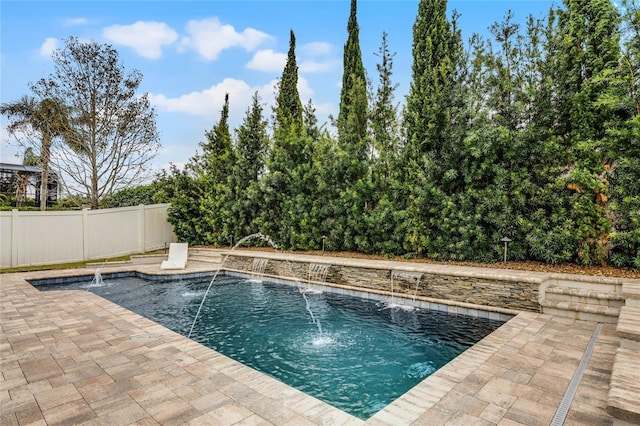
{"x":493,"y":292}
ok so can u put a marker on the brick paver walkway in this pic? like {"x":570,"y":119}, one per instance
{"x":70,"y":357}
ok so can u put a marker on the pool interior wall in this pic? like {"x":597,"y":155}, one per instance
{"x":501,"y":291}
{"x":400,"y":299}
{"x":442,"y":305}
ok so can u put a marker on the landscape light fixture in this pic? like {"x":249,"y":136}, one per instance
{"x":506,"y":241}
{"x":324,"y":237}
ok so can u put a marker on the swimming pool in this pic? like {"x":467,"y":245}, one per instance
{"x":357,"y":355}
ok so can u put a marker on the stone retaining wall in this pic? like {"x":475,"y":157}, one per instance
{"x":499,"y":293}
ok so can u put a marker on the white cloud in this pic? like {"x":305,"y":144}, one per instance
{"x":74,"y":22}
{"x":315,"y":66}
{"x":207,"y":103}
{"x":267,"y":60}
{"x":48,"y":46}
{"x":316,"y":48}
{"x":309,"y":53}
{"x":209,"y":37}
{"x":270,"y":61}
{"x":304,"y":90}
{"x":145,"y":37}
{"x":325,"y":109}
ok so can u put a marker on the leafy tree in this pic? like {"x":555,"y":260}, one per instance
{"x":310,"y":121}
{"x":111,"y":132}
{"x":352,"y":118}
{"x":500,"y":163}
{"x":214,"y":169}
{"x":435,"y":122}
{"x":625,"y":137}
{"x":585,"y":62}
{"x":285,"y":188}
{"x":425,"y":118}
{"x":30,"y":158}
{"x":47,"y":118}
{"x":185,"y":193}
{"x":350,"y":191}
{"x":385,"y":218}
{"x":217,"y":150}
{"x":385,"y":129}
{"x":252,"y":142}
{"x":289,"y":107}
{"x":127,"y":197}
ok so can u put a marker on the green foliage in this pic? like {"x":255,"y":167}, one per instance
{"x":9,"y":203}
{"x":143,"y":194}
{"x":586,"y":60}
{"x":184,"y":191}
{"x":30,"y":158}
{"x":72,"y":202}
{"x":625,"y":137}
{"x":289,"y":107}
{"x":532,"y":135}
{"x":625,"y":204}
{"x":353,"y":101}
{"x":252,"y":142}
{"x":214,"y":170}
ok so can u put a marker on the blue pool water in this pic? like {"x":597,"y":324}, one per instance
{"x":354,"y":354}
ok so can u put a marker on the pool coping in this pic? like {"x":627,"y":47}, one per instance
{"x":467,"y":379}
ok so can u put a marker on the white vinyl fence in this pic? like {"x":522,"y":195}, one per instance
{"x":43,"y":238}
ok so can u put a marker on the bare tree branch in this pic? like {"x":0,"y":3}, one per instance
{"x":111,"y":134}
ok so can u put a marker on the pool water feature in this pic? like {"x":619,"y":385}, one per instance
{"x":362,"y":358}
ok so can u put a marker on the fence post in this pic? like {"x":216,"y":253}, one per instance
{"x":14,"y":238}
{"x":85,"y":234}
{"x":141,"y":225}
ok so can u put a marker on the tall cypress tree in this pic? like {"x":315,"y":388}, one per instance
{"x":350,"y":166}
{"x":384,"y":218}
{"x":288,"y":104}
{"x":425,"y":117}
{"x":215,"y":160}
{"x":216,"y":163}
{"x":352,"y":118}
{"x":384,"y":113}
{"x":252,"y":142}
{"x":289,"y":162}
{"x":435,"y":125}
{"x":289,"y":146}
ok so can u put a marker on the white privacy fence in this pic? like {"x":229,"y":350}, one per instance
{"x":42,"y":238}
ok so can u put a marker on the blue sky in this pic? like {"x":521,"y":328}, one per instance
{"x":193,"y":52}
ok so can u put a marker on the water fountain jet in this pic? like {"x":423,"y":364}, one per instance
{"x":258,"y":235}
{"x":318,"y":272}
{"x":406,"y":276}
{"x":258,"y":267}
{"x":97,"y":279}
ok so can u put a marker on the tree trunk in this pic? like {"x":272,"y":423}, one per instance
{"x":44,"y":164}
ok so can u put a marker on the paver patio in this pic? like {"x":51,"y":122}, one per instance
{"x":71,"y":357}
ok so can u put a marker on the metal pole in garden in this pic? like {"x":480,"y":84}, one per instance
{"x":506,"y":241}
